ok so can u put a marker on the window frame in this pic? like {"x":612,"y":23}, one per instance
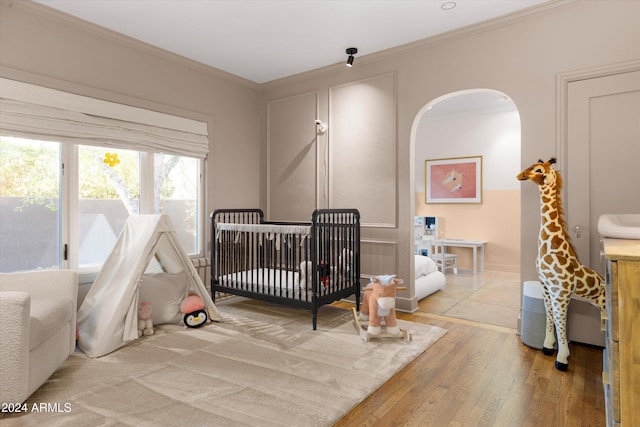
{"x":69,"y":198}
{"x":28,"y":109}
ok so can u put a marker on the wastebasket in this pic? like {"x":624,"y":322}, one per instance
{"x":534,"y":319}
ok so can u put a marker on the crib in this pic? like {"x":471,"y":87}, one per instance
{"x":296,"y":264}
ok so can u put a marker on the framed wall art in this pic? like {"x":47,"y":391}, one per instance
{"x":454,"y":180}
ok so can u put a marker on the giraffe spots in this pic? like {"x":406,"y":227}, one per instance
{"x":553,"y":289}
{"x":570,"y":267}
{"x":567,"y":271}
{"x":556,"y":263}
{"x":544,"y":235}
{"x":554,"y":228}
{"x":595,"y":292}
{"x":591,"y":282}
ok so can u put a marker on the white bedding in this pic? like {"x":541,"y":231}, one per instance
{"x":260,"y":277}
{"x":270,"y":231}
{"x":428,"y":278}
{"x":265,"y":228}
{"x":426,"y":285}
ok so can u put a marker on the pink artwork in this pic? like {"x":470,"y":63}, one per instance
{"x":457,"y":180}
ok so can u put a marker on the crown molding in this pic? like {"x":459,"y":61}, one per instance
{"x":550,"y":7}
{"x":66,"y":19}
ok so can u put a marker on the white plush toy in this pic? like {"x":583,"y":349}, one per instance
{"x":345,"y":262}
{"x":305,"y":274}
{"x":145,"y":323}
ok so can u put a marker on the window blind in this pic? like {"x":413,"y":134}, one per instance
{"x":37,"y":112}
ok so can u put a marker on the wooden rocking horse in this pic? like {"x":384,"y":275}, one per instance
{"x":379,"y":310}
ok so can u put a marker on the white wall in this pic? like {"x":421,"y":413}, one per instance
{"x":493,"y":135}
{"x":520,"y":57}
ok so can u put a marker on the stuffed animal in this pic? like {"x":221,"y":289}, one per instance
{"x":194,"y":311}
{"x":145,"y":323}
{"x":380,"y":302}
{"x":305,"y":275}
{"x":324,"y":271}
{"x":345,"y":263}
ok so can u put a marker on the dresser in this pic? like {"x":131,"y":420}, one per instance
{"x":621,"y":320}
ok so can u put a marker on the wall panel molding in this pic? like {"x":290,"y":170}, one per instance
{"x":362,"y":149}
{"x":292,"y":157}
{"x":378,"y":257}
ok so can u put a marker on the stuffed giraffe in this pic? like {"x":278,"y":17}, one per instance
{"x":559,"y":270}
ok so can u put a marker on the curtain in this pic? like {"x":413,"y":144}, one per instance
{"x":36,"y":112}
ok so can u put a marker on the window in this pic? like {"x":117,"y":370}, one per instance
{"x":108,"y":192}
{"x":73,"y":168}
{"x":38,"y":220}
{"x":30,"y":205}
{"x":176,"y":193}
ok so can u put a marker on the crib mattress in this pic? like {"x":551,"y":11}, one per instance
{"x":261,"y":278}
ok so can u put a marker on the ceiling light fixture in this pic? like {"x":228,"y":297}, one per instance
{"x":448,"y":5}
{"x":351,"y":51}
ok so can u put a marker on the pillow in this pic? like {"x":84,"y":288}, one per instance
{"x":424,"y":265}
{"x":165,"y":292}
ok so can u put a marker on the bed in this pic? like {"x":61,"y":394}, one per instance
{"x":295,"y":264}
{"x":427,"y":278}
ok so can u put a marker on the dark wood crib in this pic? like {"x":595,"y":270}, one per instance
{"x":296,"y":264}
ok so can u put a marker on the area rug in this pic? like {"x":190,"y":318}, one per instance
{"x":262,"y":366}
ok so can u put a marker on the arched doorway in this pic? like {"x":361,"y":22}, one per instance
{"x":475,"y":123}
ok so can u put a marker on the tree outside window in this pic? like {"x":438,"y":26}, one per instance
{"x":30,"y":203}
{"x":109,"y":189}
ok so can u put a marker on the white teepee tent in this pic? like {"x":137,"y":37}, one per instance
{"x":147,"y":263}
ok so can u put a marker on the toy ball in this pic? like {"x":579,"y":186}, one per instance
{"x":196,"y":319}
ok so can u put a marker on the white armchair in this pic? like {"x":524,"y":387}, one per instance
{"x":37,"y":329}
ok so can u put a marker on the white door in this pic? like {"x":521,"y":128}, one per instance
{"x":603,"y":157}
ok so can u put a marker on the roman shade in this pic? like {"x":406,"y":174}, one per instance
{"x":37,"y":112}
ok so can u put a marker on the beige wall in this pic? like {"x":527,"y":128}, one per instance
{"x":522,"y":59}
{"x":493,"y":134}
{"x":47,"y":48}
{"x":493,"y":221}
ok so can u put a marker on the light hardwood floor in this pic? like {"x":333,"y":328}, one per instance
{"x":489,"y":297}
{"x":480,"y":373}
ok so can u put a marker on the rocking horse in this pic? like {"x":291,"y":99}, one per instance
{"x":379,"y":310}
